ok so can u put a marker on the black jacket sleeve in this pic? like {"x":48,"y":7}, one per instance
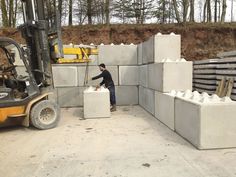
{"x":98,"y":76}
{"x":103,"y":82}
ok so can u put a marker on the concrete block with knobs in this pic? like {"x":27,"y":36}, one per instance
{"x":207,"y":122}
{"x":160,"y":47}
{"x":96,"y":103}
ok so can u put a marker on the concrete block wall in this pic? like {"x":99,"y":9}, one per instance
{"x":162,"y":71}
{"x":160,"y":47}
{"x":121,"y":61}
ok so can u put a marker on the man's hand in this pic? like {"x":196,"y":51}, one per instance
{"x":97,"y":87}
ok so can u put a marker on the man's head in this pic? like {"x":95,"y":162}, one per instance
{"x":102,"y":67}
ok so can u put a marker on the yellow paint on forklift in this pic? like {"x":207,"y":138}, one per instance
{"x":5,"y":112}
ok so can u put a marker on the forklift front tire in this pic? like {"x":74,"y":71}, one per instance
{"x":45,"y":115}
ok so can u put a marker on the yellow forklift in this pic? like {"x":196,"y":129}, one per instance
{"x":24,"y":99}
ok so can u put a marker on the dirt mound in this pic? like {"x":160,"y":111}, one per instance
{"x":199,"y":41}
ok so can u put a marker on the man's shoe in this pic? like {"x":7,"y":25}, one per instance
{"x":113,"y":108}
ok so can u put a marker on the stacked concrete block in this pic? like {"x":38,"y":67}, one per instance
{"x":143,"y":75}
{"x":207,"y":122}
{"x":148,"y":51}
{"x":128,"y":75}
{"x":118,"y":55}
{"x":127,"y":95}
{"x":165,"y":108}
{"x":65,"y":76}
{"x":168,"y":76}
{"x":140,"y":54}
{"x":96,"y":103}
{"x":94,"y":71}
{"x":147,"y":99}
{"x":70,"y":96}
{"x":161,"y":47}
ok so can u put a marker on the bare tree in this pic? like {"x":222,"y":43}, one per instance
{"x":107,"y":11}
{"x":232,"y":10}
{"x":9,"y":10}
{"x":224,"y":6}
{"x":177,"y":16}
{"x":192,"y":10}
{"x":70,"y":22}
{"x":185,"y":4}
{"x":89,"y":11}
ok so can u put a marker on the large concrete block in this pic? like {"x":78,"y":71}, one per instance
{"x":96,"y":103}
{"x":165,"y":109}
{"x":128,"y":75}
{"x":148,"y":51}
{"x":70,"y":96}
{"x":127,"y":95}
{"x":65,"y":76}
{"x":208,"y":122}
{"x":94,"y":71}
{"x":140,"y":54}
{"x":167,"y":47}
{"x":160,"y":47}
{"x":168,"y":76}
{"x":147,"y":99}
{"x":118,"y":54}
{"x":143,"y":75}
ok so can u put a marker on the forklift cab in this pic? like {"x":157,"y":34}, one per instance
{"x":22,"y":101}
{"x":16,"y":82}
{"x":25,"y":97}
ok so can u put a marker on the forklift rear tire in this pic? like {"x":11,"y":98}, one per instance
{"x":45,"y":115}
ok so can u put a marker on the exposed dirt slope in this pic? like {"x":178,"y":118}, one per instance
{"x":199,"y":41}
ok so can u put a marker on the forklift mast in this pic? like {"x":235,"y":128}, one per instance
{"x":41,"y":30}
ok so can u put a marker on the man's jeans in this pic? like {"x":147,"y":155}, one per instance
{"x":112,"y":95}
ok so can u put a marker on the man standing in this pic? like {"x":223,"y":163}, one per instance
{"x":107,"y":80}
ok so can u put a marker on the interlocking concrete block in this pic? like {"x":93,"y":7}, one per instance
{"x":208,"y":122}
{"x":96,"y":103}
{"x":94,"y":71}
{"x":140,"y":54}
{"x":127,"y":95}
{"x":147,"y":99}
{"x":128,"y":75}
{"x":160,"y":47}
{"x":148,"y":51}
{"x":118,"y":54}
{"x":168,"y":76}
{"x":65,"y":76}
{"x":165,"y":108}
{"x":70,"y":96}
{"x":167,"y":47}
{"x":143,"y":75}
